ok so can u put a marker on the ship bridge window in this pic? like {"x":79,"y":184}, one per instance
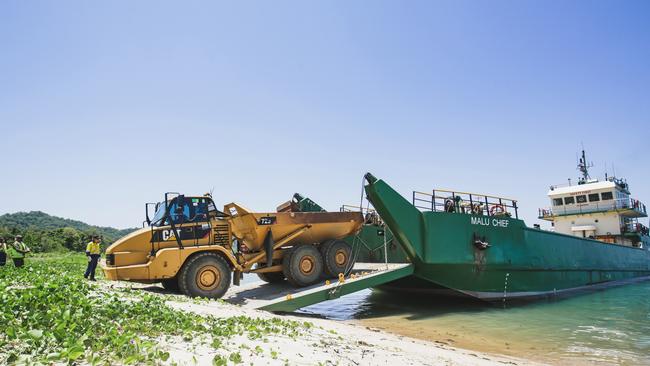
{"x":581,"y":198}
{"x":557,"y":201}
{"x":594,"y":197}
{"x":606,"y":196}
{"x":569,"y":200}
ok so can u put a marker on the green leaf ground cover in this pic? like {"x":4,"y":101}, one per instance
{"x":49,"y":313}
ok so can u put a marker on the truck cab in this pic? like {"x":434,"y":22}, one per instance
{"x":181,"y":226}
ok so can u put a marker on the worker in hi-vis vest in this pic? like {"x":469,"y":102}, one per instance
{"x":93,"y":252}
{"x":3,"y":251}
{"x":17,"y":251}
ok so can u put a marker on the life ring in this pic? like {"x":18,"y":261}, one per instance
{"x":499,"y":207}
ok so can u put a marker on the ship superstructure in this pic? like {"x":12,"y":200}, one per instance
{"x":601,"y":210}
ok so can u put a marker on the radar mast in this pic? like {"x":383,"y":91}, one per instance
{"x":583,"y":167}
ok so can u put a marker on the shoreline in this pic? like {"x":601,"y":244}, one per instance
{"x":324,"y":342}
{"x":462,"y":340}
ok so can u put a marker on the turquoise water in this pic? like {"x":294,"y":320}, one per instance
{"x":605,"y":327}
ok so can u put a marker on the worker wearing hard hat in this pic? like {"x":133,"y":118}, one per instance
{"x":3,"y":252}
{"x":18,"y":250}
{"x":93,"y":252}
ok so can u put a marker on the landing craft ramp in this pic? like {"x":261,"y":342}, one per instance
{"x":283,"y":297}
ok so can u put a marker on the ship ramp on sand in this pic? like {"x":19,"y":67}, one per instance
{"x":280,"y":297}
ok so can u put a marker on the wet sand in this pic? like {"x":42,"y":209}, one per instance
{"x":460,"y":337}
{"x":484,"y":341}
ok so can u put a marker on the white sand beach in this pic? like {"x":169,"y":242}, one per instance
{"x":327,"y":342}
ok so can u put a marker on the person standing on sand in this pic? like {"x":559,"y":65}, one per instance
{"x":18,"y":250}
{"x":3,"y":252}
{"x":93,"y":252}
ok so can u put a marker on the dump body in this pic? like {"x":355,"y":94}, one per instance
{"x":252,"y":228}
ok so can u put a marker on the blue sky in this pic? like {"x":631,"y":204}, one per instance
{"x":105,"y":106}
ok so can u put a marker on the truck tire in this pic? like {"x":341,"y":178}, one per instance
{"x":205,"y":275}
{"x":171,"y":285}
{"x":337,"y":255}
{"x":271,"y":277}
{"x":302,"y":265}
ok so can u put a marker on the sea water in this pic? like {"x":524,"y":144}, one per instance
{"x":605,"y":327}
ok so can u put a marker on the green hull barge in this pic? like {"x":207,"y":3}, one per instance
{"x":473,"y":246}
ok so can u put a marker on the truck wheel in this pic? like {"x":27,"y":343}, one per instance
{"x":271,"y":277}
{"x":205,"y":275}
{"x":302,"y":265}
{"x":337,"y":255}
{"x":171,"y":285}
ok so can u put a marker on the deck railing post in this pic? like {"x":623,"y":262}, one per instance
{"x":433,"y":200}
{"x":453,"y":200}
{"x":471,"y":204}
{"x":514,"y":204}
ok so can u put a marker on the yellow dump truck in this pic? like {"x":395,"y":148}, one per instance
{"x":191,"y":246}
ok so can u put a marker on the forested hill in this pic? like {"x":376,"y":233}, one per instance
{"x":46,"y":232}
{"x":41,"y":220}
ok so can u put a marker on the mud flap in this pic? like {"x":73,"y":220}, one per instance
{"x":236,"y":278}
{"x":268,"y":248}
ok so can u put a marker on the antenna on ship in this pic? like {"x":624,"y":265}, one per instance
{"x":583,"y":167}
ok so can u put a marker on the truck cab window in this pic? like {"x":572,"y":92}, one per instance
{"x":179,"y":211}
{"x":200,"y":208}
{"x":159,"y":215}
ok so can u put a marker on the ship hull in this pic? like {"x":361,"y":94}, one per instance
{"x":416,"y":286}
{"x":519,"y":262}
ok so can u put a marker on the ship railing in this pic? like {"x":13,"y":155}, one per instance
{"x":638,"y":206}
{"x":465,"y":202}
{"x":635,"y":228}
{"x":545,"y":212}
{"x":370,"y":215}
{"x":618,"y":204}
{"x":621,"y":183}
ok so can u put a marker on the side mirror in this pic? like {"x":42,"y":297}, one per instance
{"x":146,"y":214}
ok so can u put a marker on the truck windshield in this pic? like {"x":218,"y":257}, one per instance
{"x":160,"y":213}
{"x":185,"y":210}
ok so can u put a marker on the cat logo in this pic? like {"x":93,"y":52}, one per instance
{"x":168,"y":235}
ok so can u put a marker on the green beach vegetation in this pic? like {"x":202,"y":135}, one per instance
{"x":50,"y":314}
